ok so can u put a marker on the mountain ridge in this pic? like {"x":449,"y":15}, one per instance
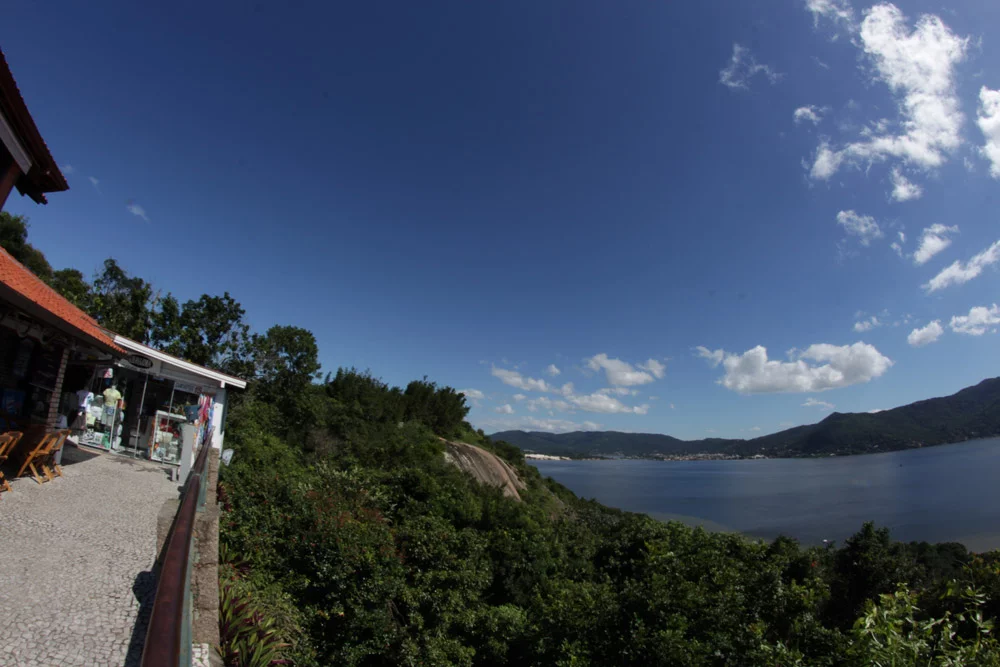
{"x":970,"y":413}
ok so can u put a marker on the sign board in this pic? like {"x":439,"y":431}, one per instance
{"x":138,"y":360}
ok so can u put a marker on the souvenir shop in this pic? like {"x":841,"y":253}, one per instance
{"x":150,"y":405}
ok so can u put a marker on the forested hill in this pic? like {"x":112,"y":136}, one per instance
{"x":973,"y":412}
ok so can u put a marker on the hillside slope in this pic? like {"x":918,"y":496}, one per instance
{"x":973,"y":412}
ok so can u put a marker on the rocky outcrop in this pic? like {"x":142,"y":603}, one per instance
{"x":485,"y":466}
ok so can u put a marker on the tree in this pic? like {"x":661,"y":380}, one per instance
{"x":122,"y":303}
{"x":72,"y":285}
{"x":286,"y":360}
{"x":14,"y":239}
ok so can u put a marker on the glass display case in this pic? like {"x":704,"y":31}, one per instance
{"x":165,"y":437}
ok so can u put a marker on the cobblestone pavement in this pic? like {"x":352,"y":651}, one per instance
{"x":75,"y":562}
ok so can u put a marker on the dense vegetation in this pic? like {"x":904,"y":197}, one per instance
{"x":347,"y":539}
{"x":973,"y":412}
{"x":370,"y":549}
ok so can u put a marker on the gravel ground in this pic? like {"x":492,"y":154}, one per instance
{"x":76,"y":556}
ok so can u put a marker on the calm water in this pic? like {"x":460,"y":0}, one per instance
{"x":939,"y":494}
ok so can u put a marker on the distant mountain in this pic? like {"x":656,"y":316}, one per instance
{"x":973,"y":412}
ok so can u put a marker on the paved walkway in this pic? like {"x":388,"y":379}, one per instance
{"x":75,"y":561}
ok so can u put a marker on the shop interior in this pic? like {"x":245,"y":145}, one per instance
{"x":135,"y":413}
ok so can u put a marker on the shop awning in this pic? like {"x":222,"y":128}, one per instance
{"x":25,"y":291}
{"x":194,"y":371}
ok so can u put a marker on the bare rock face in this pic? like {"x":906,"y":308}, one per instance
{"x":486,"y":467}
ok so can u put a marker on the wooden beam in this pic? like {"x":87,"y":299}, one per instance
{"x":9,"y":173}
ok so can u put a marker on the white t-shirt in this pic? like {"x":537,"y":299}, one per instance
{"x":84,"y":399}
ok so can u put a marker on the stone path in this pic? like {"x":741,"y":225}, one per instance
{"x":75,"y":562}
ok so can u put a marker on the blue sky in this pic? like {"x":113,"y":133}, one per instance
{"x":644,"y":196}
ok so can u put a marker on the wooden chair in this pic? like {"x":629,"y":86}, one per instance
{"x":8,"y":441}
{"x":37,"y":455}
{"x":50,"y":456}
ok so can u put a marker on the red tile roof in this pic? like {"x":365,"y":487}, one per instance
{"x":27,"y":291}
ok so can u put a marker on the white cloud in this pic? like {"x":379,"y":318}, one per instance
{"x":655,"y":367}
{"x":96,"y":183}
{"x":618,"y":391}
{"x":979,"y":320}
{"x":504,"y":409}
{"x":810,"y":113}
{"x":137,"y":211}
{"x":813,"y":403}
{"x":876,"y":411}
{"x":553,"y":370}
{"x":742,"y":67}
{"x":933,"y":240}
{"x":519,"y":397}
{"x":472,"y":394}
{"x":918,"y":66}
{"x":838,"y":366}
{"x":962,"y":272}
{"x":902,"y":188}
{"x":838,"y":11}
{"x":866,"y":325}
{"x":619,"y":373}
{"x":672,"y":407}
{"x":926,"y":335}
{"x":755,"y":428}
{"x":988,"y":119}
{"x":518,"y":381}
{"x":862,"y":226}
{"x":714,"y":357}
{"x":532,"y":424}
{"x":826,"y":162}
{"x":607,"y":404}
{"x":68,"y":169}
{"x":546,"y":403}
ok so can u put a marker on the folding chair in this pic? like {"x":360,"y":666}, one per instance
{"x":50,"y":456}
{"x":8,"y":441}
{"x":37,"y":455}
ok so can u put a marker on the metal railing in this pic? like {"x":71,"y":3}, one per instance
{"x":168,"y":636}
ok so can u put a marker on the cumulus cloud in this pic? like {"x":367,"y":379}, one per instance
{"x":933,"y":240}
{"x":813,"y":403}
{"x":618,"y":391}
{"x":742,"y":68}
{"x":504,"y":409}
{"x":518,"y":381}
{"x":979,"y":320}
{"x":862,"y":226}
{"x":519,"y":397}
{"x":657,"y":369}
{"x":962,"y":272}
{"x":926,"y":335}
{"x":988,"y":120}
{"x":918,"y":66}
{"x":546,"y":403}
{"x":619,"y":373}
{"x":866,"y":325}
{"x":835,"y":366}
{"x":714,"y":357}
{"x":808,"y":114}
{"x":472,"y":394}
{"x":838,"y":11}
{"x":598,"y":402}
{"x":553,"y":370}
{"x":902,"y":188}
